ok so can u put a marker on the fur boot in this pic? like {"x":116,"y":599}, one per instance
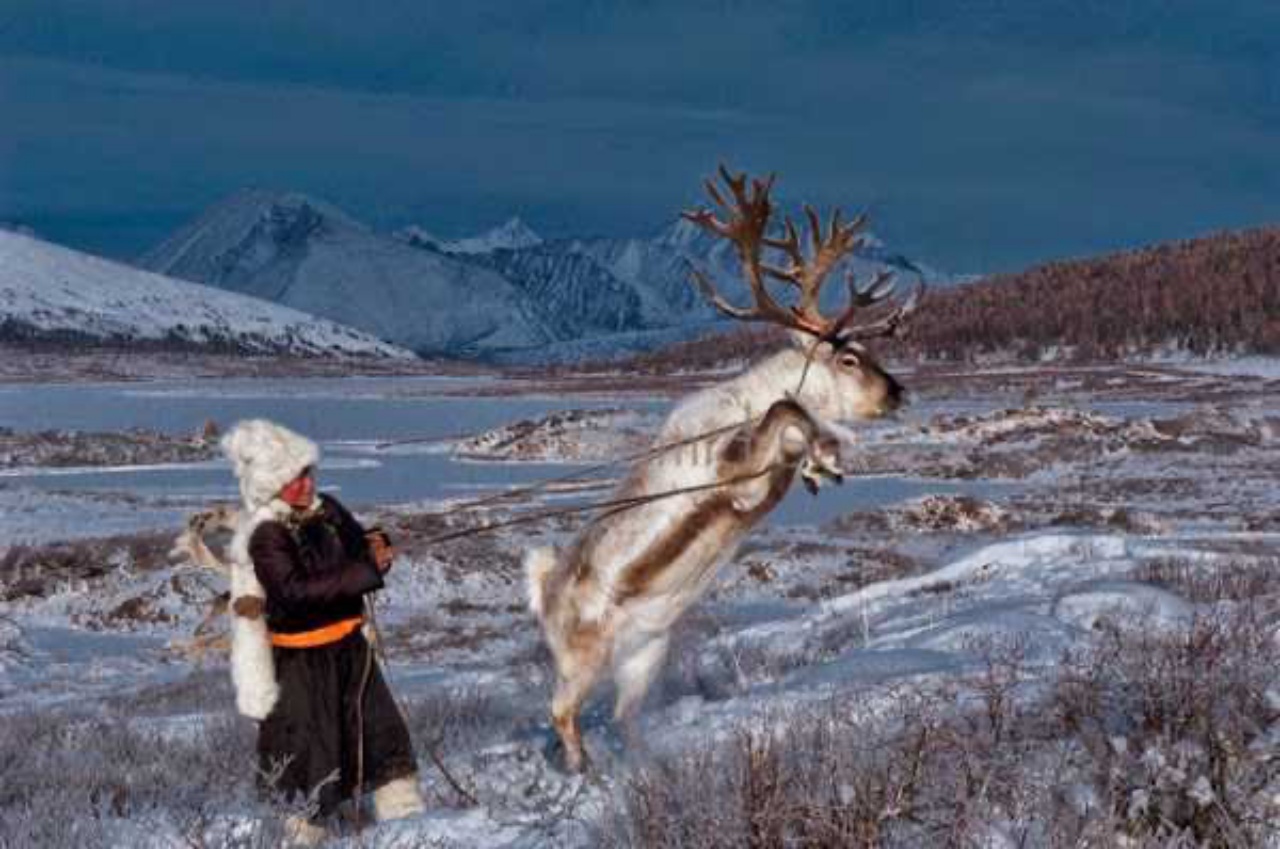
{"x":398,"y":799}
{"x":301,"y":832}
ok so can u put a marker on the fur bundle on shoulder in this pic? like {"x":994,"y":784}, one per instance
{"x":253,"y":669}
{"x":265,"y":456}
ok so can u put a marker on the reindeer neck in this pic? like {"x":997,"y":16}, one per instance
{"x":749,"y":395}
{"x":777,"y":377}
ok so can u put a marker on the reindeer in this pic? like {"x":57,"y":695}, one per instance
{"x":607,"y":601}
{"x":190,"y":546}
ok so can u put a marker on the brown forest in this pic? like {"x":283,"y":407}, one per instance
{"x":1214,"y":294}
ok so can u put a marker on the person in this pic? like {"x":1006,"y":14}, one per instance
{"x":301,"y":566}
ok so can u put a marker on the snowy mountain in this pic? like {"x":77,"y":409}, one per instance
{"x":660,"y":270}
{"x":51,"y":292}
{"x":659,"y":275}
{"x":716,"y":258}
{"x":504,"y":295}
{"x":419,"y":237}
{"x":570,"y":292}
{"x":513,"y":235}
{"x":307,"y":254}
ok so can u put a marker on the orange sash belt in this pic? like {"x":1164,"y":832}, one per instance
{"x":319,"y":636}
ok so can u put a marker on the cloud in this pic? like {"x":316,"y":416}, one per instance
{"x":980,"y":140}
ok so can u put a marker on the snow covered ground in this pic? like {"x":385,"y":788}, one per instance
{"x":988,"y":548}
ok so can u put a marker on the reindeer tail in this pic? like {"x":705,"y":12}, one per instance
{"x":538,"y":564}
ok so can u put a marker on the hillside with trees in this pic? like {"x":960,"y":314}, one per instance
{"x":1210,"y":295}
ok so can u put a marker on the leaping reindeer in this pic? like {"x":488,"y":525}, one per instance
{"x":609,"y":599}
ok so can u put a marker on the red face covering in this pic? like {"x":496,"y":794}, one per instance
{"x":300,"y":491}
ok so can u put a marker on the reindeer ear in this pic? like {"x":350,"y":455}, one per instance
{"x":805,"y":341}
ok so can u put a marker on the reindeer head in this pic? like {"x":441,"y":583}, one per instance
{"x":845,"y":382}
{"x":849,"y":383}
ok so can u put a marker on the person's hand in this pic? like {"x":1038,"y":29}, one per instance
{"x":381,"y":549}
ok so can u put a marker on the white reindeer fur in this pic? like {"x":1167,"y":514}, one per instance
{"x":741,"y":399}
{"x":538,"y":563}
{"x":636,"y":629}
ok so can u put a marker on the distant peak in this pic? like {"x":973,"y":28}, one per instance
{"x":683,"y":234}
{"x":248,"y":223}
{"x":680,"y":233}
{"x":511,"y":235}
{"x":516,"y":228}
{"x":279,"y":206}
{"x":321,"y":208}
{"x":419,"y":237}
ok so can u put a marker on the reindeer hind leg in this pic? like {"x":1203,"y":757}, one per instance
{"x":634,"y":674}
{"x":577,"y":673}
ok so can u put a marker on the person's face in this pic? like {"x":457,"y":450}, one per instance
{"x":301,"y":491}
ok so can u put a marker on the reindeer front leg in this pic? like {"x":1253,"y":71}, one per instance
{"x":787,"y":437}
{"x":634,"y":674}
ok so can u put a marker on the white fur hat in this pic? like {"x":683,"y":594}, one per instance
{"x":266,"y":456}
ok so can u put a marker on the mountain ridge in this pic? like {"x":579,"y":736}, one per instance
{"x":506,"y":294}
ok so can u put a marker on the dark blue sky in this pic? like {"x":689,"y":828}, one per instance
{"x":982,"y":134}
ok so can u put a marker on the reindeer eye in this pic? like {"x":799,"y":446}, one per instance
{"x":850,"y":360}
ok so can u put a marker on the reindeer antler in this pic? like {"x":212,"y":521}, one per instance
{"x":879,"y":290}
{"x":746,"y":226}
{"x":747,"y":219}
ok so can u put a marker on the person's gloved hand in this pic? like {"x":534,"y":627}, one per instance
{"x":380,"y":546}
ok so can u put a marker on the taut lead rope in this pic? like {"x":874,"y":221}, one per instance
{"x":614,"y":505}
{"x":622,"y":503}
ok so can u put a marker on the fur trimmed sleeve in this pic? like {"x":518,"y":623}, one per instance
{"x":276,"y":561}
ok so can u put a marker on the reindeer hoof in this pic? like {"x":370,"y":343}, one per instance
{"x":557,"y":755}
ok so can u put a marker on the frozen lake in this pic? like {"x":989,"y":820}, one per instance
{"x":384,"y":441}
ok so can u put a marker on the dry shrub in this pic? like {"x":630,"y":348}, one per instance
{"x":87,"y":780}
{"x":1236,"y":580}
{"x":37,"y":570}
{"x":1178,"y":730}
{"x":957,"y":514}
{"x":66,"y":448}
{"x":1143,"y":739}
{"x":457,"y":719}
{"x":812,"y":777}
{"x":194,"y":693}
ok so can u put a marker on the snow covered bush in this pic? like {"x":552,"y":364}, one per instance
{"x":1145,"y":738}
{"x":1178,"y":731}
{"x":106,"y":781}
